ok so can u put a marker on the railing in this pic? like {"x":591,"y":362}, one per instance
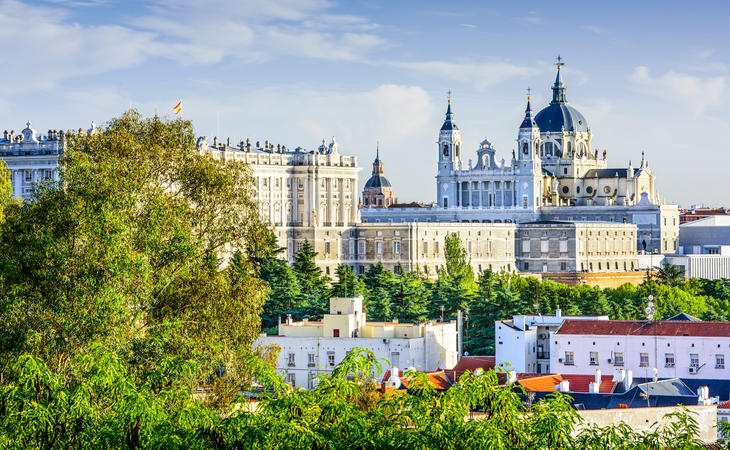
{"x":543,"y":355}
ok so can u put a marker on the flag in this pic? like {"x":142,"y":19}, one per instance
{"x":177,"y":107}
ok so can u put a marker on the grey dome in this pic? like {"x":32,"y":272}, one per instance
{"x":377,"y":181}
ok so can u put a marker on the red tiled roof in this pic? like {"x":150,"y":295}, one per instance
{"x":474,"y":362}
{"x":580,"y":383}
{"x":724,"y":405}
{"x":645,"y":328}
{"x":440,"y":380}
{"x":545,"y":383}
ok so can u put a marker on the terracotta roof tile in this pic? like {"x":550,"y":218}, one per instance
{"x":545,"y":383}
{"x":724,"y":405}
{"x":474,"y":362}
{"x":645,"y":328}
{"x":580,"y":383}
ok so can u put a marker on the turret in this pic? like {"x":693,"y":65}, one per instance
{"x":449,"y":143}
{"x":529,"y":135}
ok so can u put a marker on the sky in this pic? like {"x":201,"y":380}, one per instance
{"x":648,"y":76}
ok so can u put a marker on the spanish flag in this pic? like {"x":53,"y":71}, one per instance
{"x":177,"y":107}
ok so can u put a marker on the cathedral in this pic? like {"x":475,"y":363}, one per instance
{"x":554,"y":174}
{"x":554,"y":165}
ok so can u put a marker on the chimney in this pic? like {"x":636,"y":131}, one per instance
{"x":557,"y":312}
{"x":619,"y":376}
{"x":563,"y":386}
{"x":594,"y":387}
{"x":512,"y":376}
{"x":598,"y":376}
{"x":394,"y":380}
{"x":629,"y":379}
{"x":460,"y":335}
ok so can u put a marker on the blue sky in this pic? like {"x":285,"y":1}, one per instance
{"x":649,"y":76}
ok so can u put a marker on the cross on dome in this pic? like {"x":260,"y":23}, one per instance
{"x":560,"y":62}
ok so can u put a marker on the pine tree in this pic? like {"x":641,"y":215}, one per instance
{"x":410,"y":298}
{"x":309,"y":275}
{"x":347,"y":284}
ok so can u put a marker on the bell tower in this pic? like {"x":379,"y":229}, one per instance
{"x":528,"y":138}
{"x":449,"y":143}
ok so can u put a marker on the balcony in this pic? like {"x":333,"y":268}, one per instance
{"x":543,"y":355}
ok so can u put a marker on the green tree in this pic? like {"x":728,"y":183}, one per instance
{"x":347,"y":284}
{"x":458,"y":263}
{"x":6,"y":189}
{"x":670,"y":274}
{"x":309,"y":275}
{"x":409,"y":298}
{"x":124,"y":252}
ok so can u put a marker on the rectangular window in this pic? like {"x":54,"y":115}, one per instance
{"x":326,"y":248}
{"x":352,"y":247}
{"x":291,"y":379}
{"x":489,"y":246}
{"x":336,"y":332}
{"x":594,"y":358}
{"x":544,"y":246}
{"x":525,"y":246}
{"x":310,"y":360}
{"x":669,"y":360}
{"x":563,"y":266}
{"x":395,"y":359}
{"x":618,"y":359}
{"x":719,"y":361}
{"x":396,"y":247}
{"x":694,"y":360}
{"x":331,"y":359}
{"x":436,"y":247}
{"x":563,"y":246}
{"x":292,"y":362}
{"x":425,"y":247}
{"x":378,"y":248}
{"x":569,"y":359}
{"x":361,"y":247}
{"x":643,"y":360}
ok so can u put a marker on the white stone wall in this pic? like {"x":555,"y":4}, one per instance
{"x":632,"y":346}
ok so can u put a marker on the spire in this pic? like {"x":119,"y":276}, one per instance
{"x":377,"y":164}
{"x":529,"y":121}
{"x":558,"y":87}
{"x":448,"y":123}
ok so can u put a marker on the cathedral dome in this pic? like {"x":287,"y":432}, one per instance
{"x":558,"y":116}
{"x":377,"y":181}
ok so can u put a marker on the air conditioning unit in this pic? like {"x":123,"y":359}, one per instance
{"x":693,"y":369}
{"x":610,"y":361}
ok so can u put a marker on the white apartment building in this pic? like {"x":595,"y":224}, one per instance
{"x":523,"y":343}
{"x":665,"y":349}
{"x":309,"y":348}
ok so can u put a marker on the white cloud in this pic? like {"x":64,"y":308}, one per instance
{"x":480,"y":75}
{"x":530,"y":19}
{"x":593,"y":29}
{"x":695,"y":92}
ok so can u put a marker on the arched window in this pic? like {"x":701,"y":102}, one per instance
{"x":525,"y":150}
{"x":569,"y":147}
{"x":446,"y":150}
{"x":457,"y":150}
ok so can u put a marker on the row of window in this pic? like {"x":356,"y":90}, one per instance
{"x":311,"y":358}
{"x":669,"y":359}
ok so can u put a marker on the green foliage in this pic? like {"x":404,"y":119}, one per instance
{"x":6,"y":189}
{"x":99,"y":405}
{"x":123,"y":252}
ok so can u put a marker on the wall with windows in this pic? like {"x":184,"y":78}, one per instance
{"x":672,"y":356}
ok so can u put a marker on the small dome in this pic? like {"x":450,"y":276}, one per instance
{"x":377,"y":181}
{"x":559,"y":117}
